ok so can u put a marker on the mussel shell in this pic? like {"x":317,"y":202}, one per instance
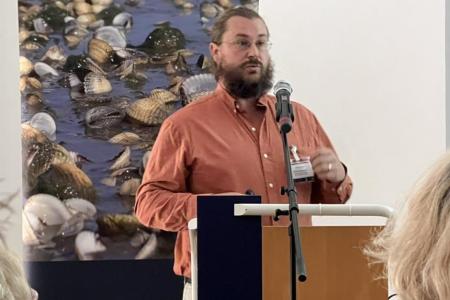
{"x":116,"y":224}
{"x":53,"y":16}
{"x":164,"y":39}
{"x":66,"y":181}
{"x":109,"y":13}
{"x":149,"y":111}
{"x":104,"y":116}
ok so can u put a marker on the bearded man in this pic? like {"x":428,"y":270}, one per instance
{"x":229,"y":142}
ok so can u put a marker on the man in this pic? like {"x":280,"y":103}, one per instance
{"x":229,"y":142}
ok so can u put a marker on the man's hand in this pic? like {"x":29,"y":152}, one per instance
{"x":327,"y":166}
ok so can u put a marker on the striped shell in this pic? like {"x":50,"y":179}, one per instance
{"x":82,"y":8}
{"x":66,"y":181}
{"x":100,"y":51}
{"x":197,"y":86}
{"x":25,"y":66}
{"x":87,"y":19}
{"x":148,"y":111}
{"x":34,"y":98}
{"x":163,"y":95}
{"x":54,"y":53}
{"x":95,"y":84}
{"x":125,"y":138}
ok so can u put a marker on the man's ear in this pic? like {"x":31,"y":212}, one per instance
{"x":214,"y":51}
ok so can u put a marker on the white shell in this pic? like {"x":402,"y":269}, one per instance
{"x":45,"y":215}
{"x":124,"y":19}
{"x":42,"y":69}
{"x":145,"y":158}
{"x":130,"y":187}
{"x":45,"y":123}
{"x":123,"y":160}
{"x":87,"y":244}
{"x":198,"y":85}
{"x":148,"y":250}
{"x":40,"y":26}
{"x":112,"y":35}
{"x":81,"y":206}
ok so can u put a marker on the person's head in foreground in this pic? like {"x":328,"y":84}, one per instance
{"x":415,"y":245}
{"x":13,"y":282}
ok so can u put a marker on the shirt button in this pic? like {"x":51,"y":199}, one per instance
{"x":270,"y":185}
{"x":265,"y":155}
{"x":253,"y":129}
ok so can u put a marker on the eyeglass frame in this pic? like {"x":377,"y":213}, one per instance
{"x":241,"y":47}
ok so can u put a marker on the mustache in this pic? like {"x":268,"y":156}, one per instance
{"x":251,"y":62}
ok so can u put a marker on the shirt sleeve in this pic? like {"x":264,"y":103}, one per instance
{"x":161,"y":200}
{"x":328,"y":192}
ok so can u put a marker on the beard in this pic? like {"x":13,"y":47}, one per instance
{"x":245,"y":88}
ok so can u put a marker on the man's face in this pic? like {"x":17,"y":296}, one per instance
{"x":242,"y":58}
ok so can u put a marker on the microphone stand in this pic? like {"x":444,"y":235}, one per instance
{"x":298,"y":268}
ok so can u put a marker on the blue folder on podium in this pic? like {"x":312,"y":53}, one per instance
{"x":229,"y":258}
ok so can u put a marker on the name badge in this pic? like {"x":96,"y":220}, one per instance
{"x":301,"y":167}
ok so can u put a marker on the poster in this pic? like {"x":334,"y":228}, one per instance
{"x":97,"y":78}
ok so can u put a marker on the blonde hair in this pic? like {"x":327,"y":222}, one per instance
{"x":415,"y":245}
{"x":13,"y":282}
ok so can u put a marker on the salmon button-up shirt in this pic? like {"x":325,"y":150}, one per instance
{"x":208,"y":147}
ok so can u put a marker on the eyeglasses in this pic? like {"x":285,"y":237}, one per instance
{"x":245,"y":44}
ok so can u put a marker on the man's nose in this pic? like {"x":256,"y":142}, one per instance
{"x":253,"y":50}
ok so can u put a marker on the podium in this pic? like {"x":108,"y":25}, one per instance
{"x":234,"y":257}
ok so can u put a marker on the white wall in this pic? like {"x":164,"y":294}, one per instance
{"x":10,"y":119}
{"x":374,"y":74}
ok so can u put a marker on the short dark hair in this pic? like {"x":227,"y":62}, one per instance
{"x":220,"y":26}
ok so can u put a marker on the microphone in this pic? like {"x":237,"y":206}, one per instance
{"x":285,"y":115}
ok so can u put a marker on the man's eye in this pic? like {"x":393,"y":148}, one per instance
{"x":261,"y":44}
{"x":243,"y":43}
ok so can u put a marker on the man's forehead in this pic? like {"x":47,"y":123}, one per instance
{"x":240,"y":26}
